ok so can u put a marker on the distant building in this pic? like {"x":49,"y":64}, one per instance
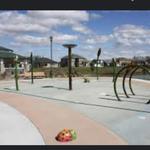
{"x":95,"y":64}
{"x":107,"y":62}
{"x":77,"y":61}
{"x":139,"y":60}
{"x":43,"y":62}
{"x":122,"y":61}
{"x":7,"y":62}
{"x":147,"y":60}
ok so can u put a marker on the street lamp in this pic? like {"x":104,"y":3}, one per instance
{"x":70,"y":46}
{"x":51,"y":56}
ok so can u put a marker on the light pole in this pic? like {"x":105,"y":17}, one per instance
{"x":98,"y":54}
{"x":51,"y":57}
{"x":70,"y":46}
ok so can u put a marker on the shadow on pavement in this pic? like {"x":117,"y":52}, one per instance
{"x":134,"y":97}
{"x":50,"y":86}
{"x":106,"y":98}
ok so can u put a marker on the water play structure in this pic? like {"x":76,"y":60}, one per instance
{"x":128,"y":70}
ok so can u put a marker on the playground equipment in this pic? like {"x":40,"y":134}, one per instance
{"x":31,"y":59}
{"x":70,"y":46}
{"x":114,"y":68}
{"x":128,"y":70}
{"x":16,"y":73}
{"x":98,"y":54}
{"x":51,"y":56}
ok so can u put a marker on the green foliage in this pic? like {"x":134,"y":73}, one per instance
{"x":80,"y":71}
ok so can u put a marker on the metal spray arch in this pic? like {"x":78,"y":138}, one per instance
{"x":129,"y":69}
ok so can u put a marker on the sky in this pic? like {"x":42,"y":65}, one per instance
{"x":117,"y":33}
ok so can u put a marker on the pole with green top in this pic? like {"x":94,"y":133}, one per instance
{"x":31,"y":60}
{"x":114,"y":68}
{"x":98,"y":54}
{"x":16,"y":73}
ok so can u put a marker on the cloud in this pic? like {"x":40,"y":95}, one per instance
{"x":96,"y":39}
{"x":82,"y":29}
{"x":95,"y":16}
{"x":42,"y":21}
{"x":140,"y":52}
{"x":13,"y":22}
{"x":90,"y":41}
{"x":12,"y":28}
{"x":33,"y":28}
{"x":125,"y":52}
{"x":123,"y":36}
{"x":131,"y":35}
{"x":69,"y":15}
{"x":28,"y":39}
{"x":62,"y":38}
{"x":44,"y":41}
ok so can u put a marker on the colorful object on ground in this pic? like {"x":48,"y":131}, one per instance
{"x":66,"y":135}
{"x":74,"y":134}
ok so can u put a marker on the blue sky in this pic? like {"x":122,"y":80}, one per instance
{"x":118,"y":33}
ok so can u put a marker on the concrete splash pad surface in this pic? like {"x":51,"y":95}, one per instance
{"x":16,"y":129}
{"x":50,"y":119}
{"x":129,"y":119}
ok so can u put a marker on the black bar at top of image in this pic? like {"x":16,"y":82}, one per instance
{"x":75,"y":4}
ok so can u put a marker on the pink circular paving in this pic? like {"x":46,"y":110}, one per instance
{"x":50,"y":118}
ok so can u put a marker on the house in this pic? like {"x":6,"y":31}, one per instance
{"x":7,"y":62}
{"x":147,"y":60}
{"x":122,"y":61}
{"x":77,"y":61}
{"x":107,"y":62}
{"x":43,"y":62}
{"x":95,"y":64}
{"x":139,"y":60}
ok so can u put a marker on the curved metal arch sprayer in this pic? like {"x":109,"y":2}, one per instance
{"x":124,"y":79}
{"x":132,"y":73}
{"x":115,"y":80}
{"x":127,"y":68}
{"x":130,"y":77}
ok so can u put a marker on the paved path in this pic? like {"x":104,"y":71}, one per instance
{"x":16,"y":129}
{"x":129,"y":118}
{"x":50,"y":118}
